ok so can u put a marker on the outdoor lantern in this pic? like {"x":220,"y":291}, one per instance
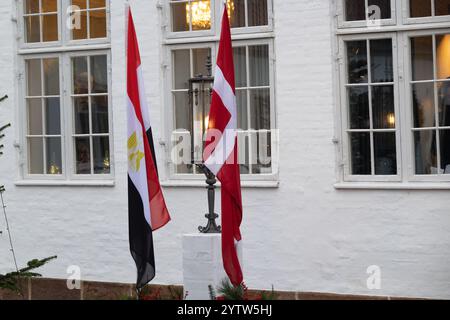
{"x":200,"y":92}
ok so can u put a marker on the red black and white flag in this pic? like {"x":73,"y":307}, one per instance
{"x":221,"y":154}
{"x":147,"y":210}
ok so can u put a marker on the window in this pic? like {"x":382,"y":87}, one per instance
{"x":66,"y":94}
{"x":395,"y":98}
{"x":428,"y":8}
{"x":254,"y":73}
{"x":40,"y":20}
{"x":366,"y":13}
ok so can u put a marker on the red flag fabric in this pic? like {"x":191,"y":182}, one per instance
{"x":147,"y":210}
{"x":220,"y":155}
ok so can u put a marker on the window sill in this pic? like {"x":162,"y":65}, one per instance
{"x":202,"y":184}
{"x":392,"y":186}
{"x":65,"y":183}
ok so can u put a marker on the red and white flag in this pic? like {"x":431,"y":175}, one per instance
{"x":221,"y":154}
{"x":147,"y":210}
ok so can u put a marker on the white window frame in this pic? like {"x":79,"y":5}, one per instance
{"x":343,"y":73}
{"x":342,"y":23}
{"x":421,"y":20}
{"x":64,"y":49}
{"x":172,"y":175}
{"x":216,"y":14}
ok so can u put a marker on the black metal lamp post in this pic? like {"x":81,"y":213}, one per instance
{"x":200,"y":91}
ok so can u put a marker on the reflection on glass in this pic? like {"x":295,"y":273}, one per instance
{"x":80,"y":75}
{"x":81,"y":115}
{"x":443,"y":56}
{"x":97,"y":24}
{"x":99,"y":114}
{"x":444,"y":141}
{"x":423,"y":105}
{"x":81,"y":32}
{"x":82,"y":155}
{"x":260,"y":109}
{"x":425,"y":152}
{"x":381,"y":60}
{"x":385,"y":8}
{"x":200,"y":13}
{"x":199,"y":57}
{"x":34,"y":112}
{"x":357,"y":61}
{"x":99,"y":75}
{"x":50,"y":27}
{"x":383,"y":107}
{"x":241,"y":103}
{"x":32,"y":29}
{"x":51,"y":76}
{"x":444,"y":103}
{"x":358,"y":98}
{"x":355,"y":10}
{"x":180,"y":19}
{"x":259,"y":65}
{"x":182,"y":73}
{"x":442,"y":7}
{"x":422,"y":58}
{"x":240,"y":66}
{"x":263,"y":163}
{"x":34,"y":83}
{"x":243,"y":152}
{"x":52,"y":116}
{"x":257,"y":13}
{"x":100,"y":146}
{"x":53,"y":155}
{"x":385,"y":153}
{"x":237,"y":15}
{"x":31,"y":6}
{"x":35,"y":156}
{"x":419,"y":8}
{"x":360,"y":153}
{"x":183,"y":113}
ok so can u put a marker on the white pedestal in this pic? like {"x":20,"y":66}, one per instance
{"x":202,"y":264}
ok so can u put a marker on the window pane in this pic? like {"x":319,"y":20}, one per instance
{"x":355,"y":10}
{"x":257,"y":13}
{"x":34,"y":112}
{"x":263,"y":163}
{"x":358,"y":98}
{"x":442,"y":7}
{"x":52,"y":116}
{"x":100,"y":114}
{"x":80,"y":3}
{"x":49,"y":5}
{"x":443,"y":56}
{"x":357,"y":61}
{"x":422,"y":58}
{"x":97,"y":24}
{"x":99,"y":74}
{"x":236,"y":10}
{"x":381,"y":60}
{"x":444,"y":141}
{"x":385,"y":153}
{"x":383,"y":107}
{"x":81,"y":115}
{"x":423,"y":105}
{"x":260,"y":109}
{"x":200,"y":58}
{"x":80,"y":75}
{"x":240,"y":66}
{"x":97,"y":4}
{"x":34,"y":81}
{"x":242,"y":113}
{"x":201,"y":15}
{"x":182,"y":69}
{"x":180,"y":21}
{"x":35,"y":156}
{"x":31,"y":6}
{"x":419,"y":8}
{"x":259,"y":65}
{"x":243,"y":151}
{"x":101,"y":155}
{"x":51,"y":76}
{"x":385,"y":8}
{"x":53,"y":155}
{"x":360,"y":153}
{"x":80,"y":32}
{"x":444,"y":103}
{"x":425,"y":152}
{"x":82,"y":156}
{"x":183,"y":113}
{"x":32,"y":25}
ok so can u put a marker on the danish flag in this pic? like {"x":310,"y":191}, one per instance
{"x":220,"y":154}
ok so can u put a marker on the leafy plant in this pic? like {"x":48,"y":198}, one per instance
{"x":227,"y":291}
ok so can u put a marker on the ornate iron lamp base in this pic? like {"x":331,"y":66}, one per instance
{"x":211,"y":227}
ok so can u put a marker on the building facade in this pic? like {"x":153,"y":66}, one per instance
{"x":344,"y":118}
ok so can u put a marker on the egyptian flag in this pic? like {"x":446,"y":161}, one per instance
{"x":221,"y":154}
{"x":147,"y":210}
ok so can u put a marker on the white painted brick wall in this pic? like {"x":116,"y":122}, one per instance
{"x":305,"y":235}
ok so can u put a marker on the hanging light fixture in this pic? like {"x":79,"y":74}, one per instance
{"x":199,"y":12}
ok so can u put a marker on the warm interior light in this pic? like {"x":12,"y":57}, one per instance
{"x":206,"y":122}
{"x":391,"y":120}
{"x":443,"y":58}
{"x":201,"y":13}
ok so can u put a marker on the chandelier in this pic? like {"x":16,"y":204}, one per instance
{"x":199,"y":12}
